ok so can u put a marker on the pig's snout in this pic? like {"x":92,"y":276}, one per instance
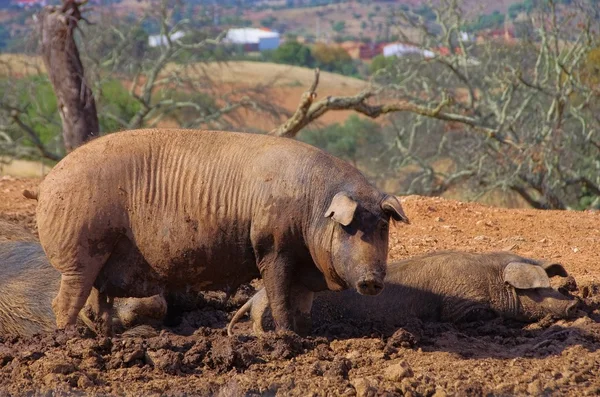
{"x":369,"y":286}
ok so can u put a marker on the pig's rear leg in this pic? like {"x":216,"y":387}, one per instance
{"x":102,"y":306}
{"x":75,"y":286}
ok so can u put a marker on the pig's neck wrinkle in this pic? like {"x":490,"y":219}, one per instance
{"x":321,"y":240}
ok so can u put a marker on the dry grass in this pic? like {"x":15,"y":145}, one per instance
{"x":248,"y":73}
{"x":282,"y":84}
{"x":23,"y":168}
{"x":19,"y":65}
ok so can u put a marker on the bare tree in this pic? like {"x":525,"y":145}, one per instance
{"x":76,"y":103}
{"x":171,"y":82}
{"x":517,"y":115}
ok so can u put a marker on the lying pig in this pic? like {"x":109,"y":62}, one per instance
{"x":10,"y":231}
{"x":444,"y":286}
{"x":169,"y":209}
{"x":28,"y":283}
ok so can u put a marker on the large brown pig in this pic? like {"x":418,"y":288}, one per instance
{"x":443,"y":286}
{"x":213,"y":210}
{"x":28,"y":284}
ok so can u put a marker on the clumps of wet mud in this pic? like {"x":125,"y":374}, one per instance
{"x":76,"y":361}
{"x":194,"y":356}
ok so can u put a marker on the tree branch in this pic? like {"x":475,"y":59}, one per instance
{"x":35,"y":139}
{"x":307,"y":112}
{"x":525,"y":194}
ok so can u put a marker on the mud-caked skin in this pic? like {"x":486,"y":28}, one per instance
{"x":28,"y":284}
{"x":445,"y":286}
{"x":138,"y":212}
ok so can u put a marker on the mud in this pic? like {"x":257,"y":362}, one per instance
{"x":192,"y":355}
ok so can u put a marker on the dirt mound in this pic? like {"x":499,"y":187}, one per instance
{"x":193,"y":355}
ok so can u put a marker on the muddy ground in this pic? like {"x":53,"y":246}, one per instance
{"x":193,"y":355}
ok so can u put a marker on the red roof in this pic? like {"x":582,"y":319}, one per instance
{"x":445,"y":51}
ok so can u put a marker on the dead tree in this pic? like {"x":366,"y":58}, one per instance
{"x":76,"y":103}
{"x":518,"y":115}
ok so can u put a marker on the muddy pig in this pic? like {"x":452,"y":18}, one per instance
{"x":10,"y":231}
{"x":445,"y":286}
{"x":213,"y":210}
{"x":28,"y":283}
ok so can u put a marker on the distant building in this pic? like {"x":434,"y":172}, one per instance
{"x":370,"y":51}
{"x":403,"y":49}
{"x":161,"y":40}
{"x":253,"y":39}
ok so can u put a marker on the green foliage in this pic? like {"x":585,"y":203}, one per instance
{"x":36,"y":97}
{"x":338,"y":26}
{"x":330,"y":58}
{"x":380,"y":62}
{"x":291,"y":53}
{"x":115,"y":100}
{"x":4,"y":36}
{"x":45,"y":107}
{"x":487,"y":21}
{"x":151,"y":26}
{"x":333,"y":59}
{"x":426,"y":12}
{"x":350,"y":141}
{"x":515,"y":9}
{"x":268,"y":22}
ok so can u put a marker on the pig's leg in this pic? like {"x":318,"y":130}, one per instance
{"x":277,"y":280}
{"x":302,"y":299}
{"x":77,"y":278}
{"x":102,"y":307}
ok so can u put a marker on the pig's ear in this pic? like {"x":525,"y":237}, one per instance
{"x":391,"y":206}
{"x":554,"y":269}
{"x":525,"y":276}
{"x":341,"y":209}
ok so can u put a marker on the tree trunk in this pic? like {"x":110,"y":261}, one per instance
{"x":75,"y":100}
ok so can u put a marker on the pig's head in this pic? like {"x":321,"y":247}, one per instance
{"x":359,"y":229}
{"x":533,"y":297}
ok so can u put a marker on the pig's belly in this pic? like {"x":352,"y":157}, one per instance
{"x":208,"y":258}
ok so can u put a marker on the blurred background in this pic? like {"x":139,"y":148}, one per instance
{"x":489,"y":101}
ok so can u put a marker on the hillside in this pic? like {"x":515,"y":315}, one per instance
{"x":281,"y":84}
{"x":360,"y":19}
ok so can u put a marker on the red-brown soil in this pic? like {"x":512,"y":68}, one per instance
{"x":195,"y":357}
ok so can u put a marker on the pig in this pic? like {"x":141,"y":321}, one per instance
{"x":10,"y":231}
{"x":447,"y":286}
{"x":137,"y":212}
{"x":28,"y":284}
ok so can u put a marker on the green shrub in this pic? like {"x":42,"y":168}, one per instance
{"x":114,"y":99}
